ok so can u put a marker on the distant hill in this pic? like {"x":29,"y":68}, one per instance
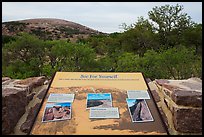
{"x":48,"y":28}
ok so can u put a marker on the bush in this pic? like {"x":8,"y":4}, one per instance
{"x":174,"y":63}
{"x":23,"y":58}
{"x":128,"y":62}
{"x":178,"y":62}
{"x":29,"y":56}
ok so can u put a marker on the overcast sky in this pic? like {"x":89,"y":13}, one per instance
{"x":102,"y":16}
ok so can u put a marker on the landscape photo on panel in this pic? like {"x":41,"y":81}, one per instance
{"x":57,"y":111}
{"x":139,"y":110}
{"x":103,"y":100}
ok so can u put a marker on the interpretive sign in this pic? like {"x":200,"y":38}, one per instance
{"x":104,"y":103}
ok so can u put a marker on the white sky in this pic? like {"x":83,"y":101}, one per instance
{"x":102,"y":16}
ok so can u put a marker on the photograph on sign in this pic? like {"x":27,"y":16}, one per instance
{"x":103,"y":100}
{"x":104,"y":112}
{"x":57,"y":111}
{"x":138,"y":94}
{"x":53,"y":97}
{"x":139,"y":110}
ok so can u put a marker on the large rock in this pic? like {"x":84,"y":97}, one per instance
{"x":16,"y":95}
{"x":14,"y":101}
{"x":187,"y":120}
{"x":27,"y":125}
{"x":183,"y":92}
{"x":31,"y":83}
{"x":191,"y":84}
{"x":184,"y":100}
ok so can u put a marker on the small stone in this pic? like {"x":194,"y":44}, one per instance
{"x":148,"y":80}
{"x":187,"y":120}
{"x":187,"y":98}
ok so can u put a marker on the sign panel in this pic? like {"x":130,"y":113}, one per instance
{"x":101,"y":106}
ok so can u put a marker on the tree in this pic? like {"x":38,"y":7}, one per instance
{"x":128,"y":62}
{"x":106,"y":64}
{"x":150,"y":65}
{"x":7,"y":39}
{"x":66,"y":56}
{"x":139,"y":37}
{"x":192,"y":37}
{"x":83,"y":58}
{"x":180,"y":62}
{"x":24,"y":56}
{"x":98,"y":44}
{"x":169,"y":19}
{"x":56,"y":54}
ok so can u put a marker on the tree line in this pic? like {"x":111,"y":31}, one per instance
{"x":166,"y":45}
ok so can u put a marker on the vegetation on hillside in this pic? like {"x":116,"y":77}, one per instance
{"x":167,"y":45}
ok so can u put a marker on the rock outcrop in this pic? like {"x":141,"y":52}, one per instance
{"x":49,"y":28}
{"x":30,"y":83}
{"x":181,"y":104}
{"x":16,"y":96}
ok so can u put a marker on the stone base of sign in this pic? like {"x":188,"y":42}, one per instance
{"x":180,"y":103}
{"x":21,"y":101}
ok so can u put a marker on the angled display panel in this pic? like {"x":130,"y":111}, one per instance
{"x":82,"y":84}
